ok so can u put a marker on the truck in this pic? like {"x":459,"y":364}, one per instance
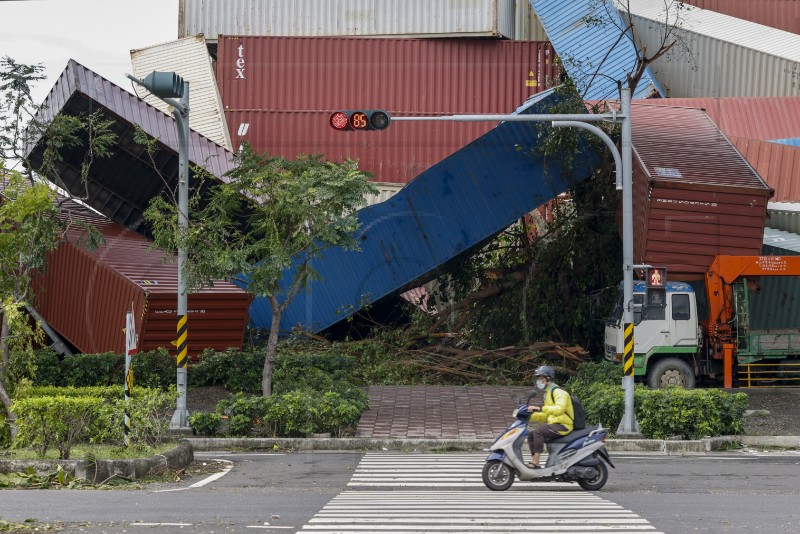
{"x":703,"y":329}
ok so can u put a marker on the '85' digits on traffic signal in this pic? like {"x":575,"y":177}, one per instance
{"x":372,"y":119}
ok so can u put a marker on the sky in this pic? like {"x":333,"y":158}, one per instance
{"x":99,"y":34}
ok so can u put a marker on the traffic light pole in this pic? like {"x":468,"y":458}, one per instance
{"x":628,"y":427}
{"x":166,"y":87}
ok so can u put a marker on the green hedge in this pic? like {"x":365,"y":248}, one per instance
{"x":661,"y":413}
{"x":90,"y":415}
{"x":153,"y":369}
{"x":290,"y":414}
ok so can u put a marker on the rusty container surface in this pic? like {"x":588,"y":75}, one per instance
{"x":781,"y":14}
{"x":694,"y":194}
{"x":777,"y":164}
{"x":278,"y":94}
{"x":85,"y":295}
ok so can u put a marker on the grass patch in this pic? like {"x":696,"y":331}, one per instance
{"x":104,"y":452}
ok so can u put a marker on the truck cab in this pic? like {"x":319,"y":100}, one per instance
{"x":666,"y":338}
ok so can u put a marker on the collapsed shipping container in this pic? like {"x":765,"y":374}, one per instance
{"x":586,"y":36}
{"x":190,"y":60}
{"x":716,"y":54}
{"x":85,"y":295}
{"x":694,"y":195}
{"x":780,"y":14}
{"x":367,"y":18}
{"x":279,"y":92}
{"x":121,"y":185}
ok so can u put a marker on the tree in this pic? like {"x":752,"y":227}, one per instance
{"x":32,"y":221}
{"x":268,"y":219}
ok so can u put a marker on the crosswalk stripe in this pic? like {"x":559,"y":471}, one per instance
{"x":431,"y":470}
{"x":429,"y":512}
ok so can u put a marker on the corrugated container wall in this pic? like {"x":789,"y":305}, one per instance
{"x":527,"y":26}
{"x":777,"y":303}
{"x":719,"y":55}
{"x":781,"y":14}
{"x":189,"y":58}
{"x":84,"y":295}
{"x":695,"y":196}
{"x":778,"y":165}
{"x":784,"y":216}
{"x":368,"y":18}
{"x":279,"y":92}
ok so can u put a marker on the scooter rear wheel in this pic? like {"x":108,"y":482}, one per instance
{"x":594,"y":484}
{"x":497,"y":476}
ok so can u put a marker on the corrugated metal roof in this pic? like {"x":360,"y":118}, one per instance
{"x":678,"y":143}
{"x":695,"y":196}
{"x":84,"y":295}
{"x":449,"y":210}
{"x":781,"y":242}
{"x":375,"y":18}
{"x":726,"y":56}
{"x":592,"y":52}
{"x":777,"y":302}
{"x":752,"y":117}
{"x":189,"y":58}
{"x":778,"y":165}
{"x":121,"y":186}
{"x":781,"y":14}
{"x":291,"y":85}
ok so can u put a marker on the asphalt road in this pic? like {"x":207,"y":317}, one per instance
{"x":718,"y":492}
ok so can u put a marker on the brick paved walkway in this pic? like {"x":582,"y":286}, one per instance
{"x":439,"y":412}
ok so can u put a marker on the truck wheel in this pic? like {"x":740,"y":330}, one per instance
{"x":671,"y":372}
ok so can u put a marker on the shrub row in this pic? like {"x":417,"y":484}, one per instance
{"x":292,"y":414}
{"x":661,"y":413}
{"x":153,"y":369}
{"x":89,"y":415}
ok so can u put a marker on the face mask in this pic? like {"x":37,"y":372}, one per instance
{"x":541,"y":384}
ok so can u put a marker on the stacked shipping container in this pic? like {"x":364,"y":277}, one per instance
{"x":780,"y":14}
{"x":278,"y":93}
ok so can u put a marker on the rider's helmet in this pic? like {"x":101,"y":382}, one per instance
{"x":545,"y":370}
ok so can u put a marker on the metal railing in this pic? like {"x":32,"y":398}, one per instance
{"x":769,"y":375}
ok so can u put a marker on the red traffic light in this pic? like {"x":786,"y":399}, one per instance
{"x":657,"y":277}
{"x":373,"y":119}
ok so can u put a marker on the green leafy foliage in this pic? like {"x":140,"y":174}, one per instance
{"x":690,"y":414}
{"x":205,"y":423}
{"x":237,"y":371}
{"x":59,"y":422}
{"x":31,"y":480}
{"x":149,"y":410}
{"x":153,"y":369}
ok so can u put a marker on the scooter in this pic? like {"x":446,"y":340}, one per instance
{"x":579,"y":456}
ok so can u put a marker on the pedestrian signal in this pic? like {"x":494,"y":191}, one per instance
{"x":372,"y":119}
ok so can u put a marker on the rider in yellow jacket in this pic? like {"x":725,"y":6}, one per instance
{"x":556,"y":412}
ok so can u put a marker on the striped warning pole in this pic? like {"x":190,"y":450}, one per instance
{"x":130,"y":350}
{"x":627,"y":355}
{"x":181,"y":415}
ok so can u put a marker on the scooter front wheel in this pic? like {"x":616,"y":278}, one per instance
{"x":497,"y":476}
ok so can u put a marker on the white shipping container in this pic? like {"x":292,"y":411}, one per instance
{"x":189,"y":58}
{"x":344,"y":18}
{"x":527,"y":26}
{"x":718,"y":55}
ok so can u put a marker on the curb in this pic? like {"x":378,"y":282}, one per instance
{"x":102,"y":470}
{"x":444,"y":445}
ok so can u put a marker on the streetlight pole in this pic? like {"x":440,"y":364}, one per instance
{"x":167,"y":86}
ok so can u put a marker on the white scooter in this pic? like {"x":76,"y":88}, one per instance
{"x":579,"y":456}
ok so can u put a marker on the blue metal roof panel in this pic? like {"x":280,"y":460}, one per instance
{"x":449,"y":210}
{"x":585,"y":34}
{"x":791,"y":141}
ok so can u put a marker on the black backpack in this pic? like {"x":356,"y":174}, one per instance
{"x":579,"y":421}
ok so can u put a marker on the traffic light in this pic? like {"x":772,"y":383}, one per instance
{"x":371,"y":119}
{"x":656,"y":287}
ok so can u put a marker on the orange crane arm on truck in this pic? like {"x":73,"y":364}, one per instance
{"x":723,"y":272}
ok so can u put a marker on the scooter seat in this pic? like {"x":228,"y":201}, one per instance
{"x":575,"y":434}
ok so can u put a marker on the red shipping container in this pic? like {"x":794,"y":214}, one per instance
{"x":85,"y":295}
{"x":694,"y":194}
{"x":279,"y":92}
{"x":781,"y":14}
{"x":777,"y":164}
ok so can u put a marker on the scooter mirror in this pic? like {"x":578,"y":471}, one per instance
{"x":531,"y":395}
